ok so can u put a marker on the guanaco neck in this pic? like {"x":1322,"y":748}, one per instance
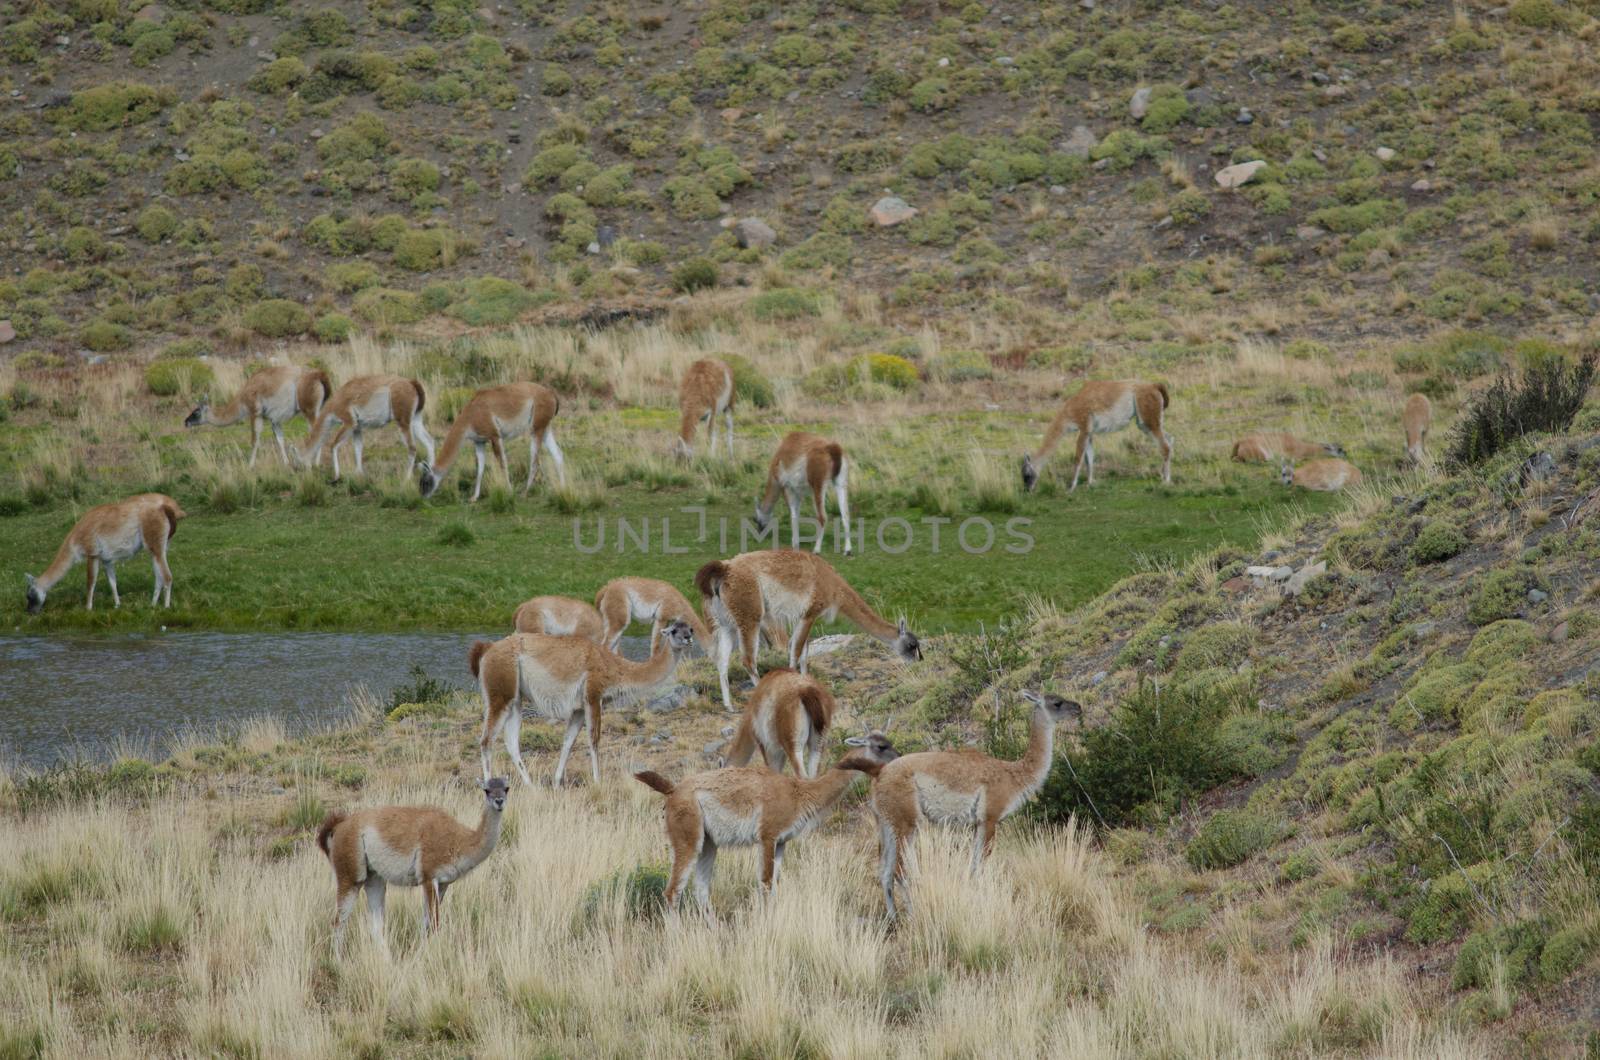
{"x":227,"y":415}
{"x":1034,"y":766}
{"x":813,"y":798}
{"x":653,"y":671}
{"x":686,"y":426}
{"x":452,"y":442}
{"x":68,"y":554}
{"x":853,"y":607}
{"x":485,"y":836}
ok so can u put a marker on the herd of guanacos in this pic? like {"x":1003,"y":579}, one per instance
{"x":562,"y":657}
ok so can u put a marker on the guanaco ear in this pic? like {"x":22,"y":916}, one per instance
{"x":904,"y":629}
{"x":1032,"y":697}
{"x":855,"y":741}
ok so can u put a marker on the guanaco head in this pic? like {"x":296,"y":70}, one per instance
{"x":428,"y":482}
{"x":1286,"y":474}
{"x":875,"y":745}
{"x":35,"y":596}
{"x":679,"y":635}
{"x":1030,"y":474}
{"x":494,"y":793}
{"x":1334,"y":449}
{"x":1056,"y":708}
{"x":907,"y":645}
{"x":763,"y":517}
{"x":197,"y":418}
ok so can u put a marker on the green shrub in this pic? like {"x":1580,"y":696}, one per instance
{"x":1125,"y":147}
{"x":1540,"y":14}
{"x":333,"y":327}
{"x":420,"y":249}
{"x":1545,"y":398}
{"x":155,"y":223}
{"x":692,"y":198}
{"x":179,"y":375}
{"x":245,"y":282}
{"x":1358,"y":217}
{"x":1501,"y":594}
{"x":279,"y":75}
{"x":786,"y":303}
{"x":1221,"y":644}
{"x":1565,"y":953}
{"x":642,"y":891}
{"x":104,"y":336}
{"x":1168,"y":106}
{"x":1228,"y":838}
{"x":550,"y":163}
{"x":113,"y":105}
{"x":1190,"y":207}
{"x":1449,"y":904}
{"x":556,"y":81}
{"x":490,"y":300}
{"x":278,"y":318}
{"x":1440,"y":540}
{"x":822,"y":249}
{"x":748,"y":382}
{"x":386,"y":306}
{"x":959,"y":366}
{"x":890,"y":370}
{"x":694,"y":275}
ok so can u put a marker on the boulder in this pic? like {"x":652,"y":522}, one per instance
{"x":1385,"y":154}
{"x":1139,"y":105}
{"x":1422,"y":185}
{"x":1303,"y":577}
{"x":1239,"y":174}
{"x":1244,"y":116}
{"x":8,"y":333}
{"x":754,"y":232}
{"x":1080,"y":142}
{"x":891,"y":210}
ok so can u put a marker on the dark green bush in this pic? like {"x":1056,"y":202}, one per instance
{"x":1228,"y":838}
{"x":786,"y":303}
{"x":1545,"y":398}
{"x":178,"y":375}
{"x":1438,"y":541}
{"x":694,"y":275}
{"x":278,"y":318}
{"x":748,"y":382}
{"x":642,"y":890}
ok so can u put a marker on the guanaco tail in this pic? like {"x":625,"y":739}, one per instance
{"x":108,"y":534}
{"x":805,"y":462}
{"x":274,"y":395}
{"x":788,"y":717}
{"x":1268,"y":447}
{"x":408,"y":846}
{"x":706,"y":392}
{"x":1099,"y":407}
{"x":795,"y":588}
{"x":494,"y":416}
{"x":368,"y":402}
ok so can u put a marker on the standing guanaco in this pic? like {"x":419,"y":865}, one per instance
{"x":274,"y":394}
{"x":560,"y":616}
{"x":744,"y":807}
{"x":1417,"y":417}
{"x":787,"y":716}
{"x":368,"y":402}
{"x":565,"y":678}
{"x":1102,"y":406}
{"x":706,"y":391}
{"x":109,"y":533}
{"x":625,"y":600}
{"x":805,"y":461}
{"x":496,"y":415}
{"x":963,"y":788}
{"x":1266,"y":447}
{"x":796,"y":588}
{"x":407,"y":846}
{"x":1323,"y":476}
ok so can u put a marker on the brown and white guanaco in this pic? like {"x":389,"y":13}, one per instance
{"x":746,"y":807}
{"x":565,"y":679}
{"x":107,"y":534}
{"x":795,"y":588}
{"x":1323,"y":476}
{"x":494,"y":416}
{"x":408,"y":846}
{"x":561,"y":616}
{"x":805,"y":462}
{"x":1268,"y":447}
{"x":621,"y":601}
{"x":1417,"y":418}
{"x":273,"y":395}
{"x":787,"y":717}
{"x":366,"y":403}
{"x":1099,"y":407}
{"x":705,"y":393}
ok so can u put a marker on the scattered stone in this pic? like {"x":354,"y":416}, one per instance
{"x":1308,"y":232}
{"x":1200,"y":97}
{"x":1319,"y":154}
{"x":891,"y":210}
{"x":1139,"y":105}
{"x":754,"y":232}
{"x":1423,"y":630}
{"x":516,"y":242}
{"x":1236,"y":585}
{"x":63,"y":40}
{"x":1385,"y":154}
{"x":1087,"y":5}
{"x":944,"y":63}
{"x":1245,"y":117}
{"x":606,"y":236}
{"x":711,"y":749}
{"x":1004,"y":60}
{"x":732,"y":114}
{"x":1422,"y":185}
{"x":668,"y":701}
{"x":1099,"y":677}
{"x":1239,"y":174}
{"x":1080,"y":142}
{"x":1318,"y":77}
{"x":727,"y":730}
{"x":1058,"y":189}
{"x":828,"y":644}
{"x":1538,"y":467}
{"x":792,"y":96}
{"x":593,"y":248}
{"x":317,"y":134}
{"x":151,"y":12}
{"x":8,"y":333}
{"x":1537,"y":596}
{"x":1334,"y":91}
{"x":1271,"y":555}
{"x":1260,"y":571}
{"x":1101,"y":164}
{"x":94,"y":359}
{"x":1377,"y":258}
{"x":1303,"y":577}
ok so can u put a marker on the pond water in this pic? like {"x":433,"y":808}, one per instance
{"x":64,"y":697}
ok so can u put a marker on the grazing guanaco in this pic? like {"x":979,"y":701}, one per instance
{"x":561,"y":616}
{"x":494,"y":416}
{"x":274,"y":394}
{"x":624,"y":600}
{"x":366,"y":403}
{"x":962,"y":788}
{"x":1417,"y":417}
{"x":744,"y":807}
{"x":706,"y":391}
{"x":1266,"y":447}
{"x":805,"y":461}
{"x":751,"y":590}
{"x":1324,"y":476}
{"x":1099,"y":407}
{"x":107,"y":534}
{"x":565,"y":678}
{"x":787,"y":716}
{"x":408,"y":846}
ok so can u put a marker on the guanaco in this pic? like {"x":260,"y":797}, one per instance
{"x":107,"y":534}
{"x":625,"y":600}
{"x":275,"y":395}
{"x":1266,"y":447}
{"x":1324,"y":476}
{"x":494,"y":416}
{"x":1417,"y":417}
{"x":805,"y":461}
{"x":565,"y":678}
{"x":787,"y":716}
{"x":407,"y":846}
{"x":1099,"y":407}
{"x":366,"y":403}
{"x":962,"y":788}
{"x":745,"y":593}
{"x":743,"y":807}
{"x":560,"y":616}
{"x":706,"y":391}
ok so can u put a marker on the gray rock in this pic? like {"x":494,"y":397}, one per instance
{"x":1099,"y":677}
{"x":8,"y":333}
{"x":1139,"y":104}
{"x":1538,"y":467}
{"x":1281,"y":574}
{"x":1318,"y":77}
{"x":1385,"y":154}
{"x":1422,"y":185}
{"x":1080,"y":142}
{"x":1244,"y":116}
{"x":754,"y":232}
{"x":1238,"y":174}
{"x":1537,"y":596}
{"x":713,"y":747}
{"x":1200,"y":97}
{"x":606,"y":235}
{"x":1308,"y":232}
{"x":1303,"y":577}
{"x":593,"y":248}
{"x":891,"y":210}
{"x":727,"y":730}
{"x":668,"y":701}
{"x":1270,"y":555}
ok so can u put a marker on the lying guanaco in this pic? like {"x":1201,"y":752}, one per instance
{"x":706,"y":391}
{"x":806,"y":462}
{"x":962,"y":788}
{"x":744,"y":807}
{"x":565,"y":678}
{"x":787,"y":716}
{"x":561,"y":616}
{"x":1267,"y":447}
{"x":368,"y":402}
{"x":746,"y":593}
{"x":621,"y":601}
{"x":274,"y":395}
{"x":1417,"y":417}
{"x":494,"y":416}
{"x":107,"y":534}
{"x":1099,"y":407}
{"x":1324,"y":476}
{"x":408,"y":846}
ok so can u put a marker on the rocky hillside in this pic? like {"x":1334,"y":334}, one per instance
{"x":227,"y":171}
